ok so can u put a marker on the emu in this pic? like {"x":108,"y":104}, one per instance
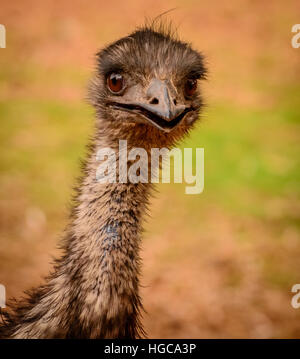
{"x":144,"y":91}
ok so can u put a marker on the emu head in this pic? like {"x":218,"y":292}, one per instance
{"x":149,"y":79}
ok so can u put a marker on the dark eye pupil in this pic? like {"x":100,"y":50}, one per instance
{"x":191,"y":84}
{"x":114,"y":80}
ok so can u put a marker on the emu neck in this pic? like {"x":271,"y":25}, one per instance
{"x":104,"y":252}
{"x":93,"y":291}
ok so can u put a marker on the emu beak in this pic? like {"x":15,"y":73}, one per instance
{"x":161,"y":102}
{"x":158,"y":106}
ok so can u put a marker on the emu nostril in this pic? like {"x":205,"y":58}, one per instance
{"x":154,"y":101}
{"x":175,"y":102}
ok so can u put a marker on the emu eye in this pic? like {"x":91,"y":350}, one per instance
{"x":190,"y":87}
{"x":115,"y":82}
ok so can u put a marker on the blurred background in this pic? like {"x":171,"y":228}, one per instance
{"x":216,"y":265}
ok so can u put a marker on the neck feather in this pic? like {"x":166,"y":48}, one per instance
{"x":93,"y":292}
{"x":104,"y":252}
